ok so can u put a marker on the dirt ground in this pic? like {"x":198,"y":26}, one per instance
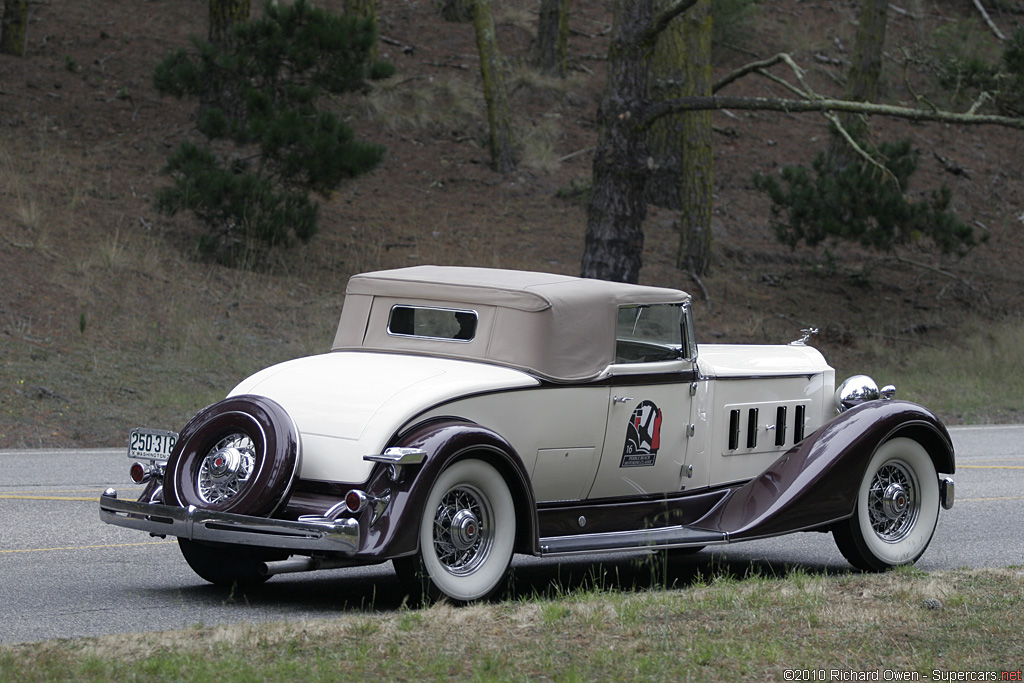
{"x":107,"y":319}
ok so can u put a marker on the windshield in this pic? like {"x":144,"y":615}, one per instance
{"x":648,"y":333}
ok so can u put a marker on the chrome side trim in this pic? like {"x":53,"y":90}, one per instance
{"x":665,"y":537}
{"x":741,"y":378}
{"x":339,"y":535}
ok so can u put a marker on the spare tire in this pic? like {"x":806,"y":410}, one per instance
{"x":239,"y":455}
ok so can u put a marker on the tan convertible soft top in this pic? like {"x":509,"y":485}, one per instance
{"x":556,"y":326}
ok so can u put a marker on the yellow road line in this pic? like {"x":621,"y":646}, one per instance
{"x":7,"y":496}
{"x":990,"y":467}
{"x":996,"y":459}
{"x":22,"y":492}
{"x":86,"y":547}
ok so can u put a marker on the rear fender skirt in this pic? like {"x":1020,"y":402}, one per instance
{"x":813,"y":484}
{"x":395,"y":533}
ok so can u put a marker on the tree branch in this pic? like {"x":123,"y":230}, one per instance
{"x":659,"y":22}
{"x":988,"y":20}
{"x":656,"y":110}
{"x":845,"y":134}
{"x":939,"y":271}
{"x":744,"y":70}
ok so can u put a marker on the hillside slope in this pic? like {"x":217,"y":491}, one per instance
{"x":107,"y":319}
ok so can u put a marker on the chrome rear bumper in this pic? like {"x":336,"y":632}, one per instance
{"x":316,"y":534}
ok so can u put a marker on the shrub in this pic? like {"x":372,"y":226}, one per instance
{"x":860,"y":203}
{"x":260,"y":90}
{"x":966,"y":65}
{"x":1010,"y":99}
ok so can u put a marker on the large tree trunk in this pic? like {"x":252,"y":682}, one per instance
{"x":552,"y":37}
{"x":14,"y":33}
{"x":617,"y":208}
{"x":668,"y":78}
{"x":862,"y":83}
{"x":697,"y":169}
{"x":223,"y":14}
{"x":502,"y":143}
{"x":682,"y":174}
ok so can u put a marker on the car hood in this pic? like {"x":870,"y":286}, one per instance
{"x":748,"y":360}
{"x":348,"y":404}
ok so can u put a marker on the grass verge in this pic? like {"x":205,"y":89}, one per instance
{"x":965,"y":382}
{"x":902,"y":625}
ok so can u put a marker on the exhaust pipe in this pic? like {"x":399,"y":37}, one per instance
{"x":301,"y":564}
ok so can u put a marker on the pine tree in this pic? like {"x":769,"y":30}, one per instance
{"x":260,"y":91}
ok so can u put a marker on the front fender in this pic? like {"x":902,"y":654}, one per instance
{"x":396,"y":532}
{"x":816,"y":482}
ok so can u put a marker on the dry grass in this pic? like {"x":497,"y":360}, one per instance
{"x":424,"y":103}
{"x":718,"y":629}
{"x":965,"y":380}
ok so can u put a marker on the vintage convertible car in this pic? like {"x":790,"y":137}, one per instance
{"x":467,"y":414}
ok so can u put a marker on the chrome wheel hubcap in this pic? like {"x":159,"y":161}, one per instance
{"x":226,"y":469}
{"x":893,"y":502}
{"x":462,"y":531}
{"x":465,"y":529}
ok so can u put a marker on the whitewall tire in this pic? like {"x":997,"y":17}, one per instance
{"x":897,"y":508}
{"x":467,"y":534}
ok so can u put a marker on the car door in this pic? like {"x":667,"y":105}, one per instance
{"x":648,"y":425}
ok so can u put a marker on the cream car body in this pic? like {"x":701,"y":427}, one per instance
{"x":465,"y":414}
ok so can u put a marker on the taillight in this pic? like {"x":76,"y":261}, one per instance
{"x":140,"y":473}
{"x":356,"y":500}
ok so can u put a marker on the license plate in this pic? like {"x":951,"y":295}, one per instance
{"x":150,"y":444}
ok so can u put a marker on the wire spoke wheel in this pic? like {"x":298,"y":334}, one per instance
{"x":226,"y":469}
{"x":467,"y":535}
{"x":893,"y":502}
{"x":897,"y":508}
{"x":239,"y":455}
{"x":463,"y":530}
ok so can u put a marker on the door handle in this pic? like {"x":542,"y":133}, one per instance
{"x":621,"y":399}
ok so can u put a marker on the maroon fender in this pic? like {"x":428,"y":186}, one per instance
{"x":814,"y":483}
{"x":444,"y":440}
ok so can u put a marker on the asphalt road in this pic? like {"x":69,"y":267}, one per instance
{"x":64,"y":574}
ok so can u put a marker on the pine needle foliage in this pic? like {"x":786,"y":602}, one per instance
{"x":259,"y":91}
{"x":861,"y":203}
{"x":965,"y":68}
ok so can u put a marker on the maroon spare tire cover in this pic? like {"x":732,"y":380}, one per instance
{"x":239,"y":455}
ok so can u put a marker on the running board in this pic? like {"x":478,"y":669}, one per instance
{"x":650,"y":539}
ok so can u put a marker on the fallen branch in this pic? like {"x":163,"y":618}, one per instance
{"x":11,"y":242}
{"x":655,"y":111}
{"x":988,"y":20}
{"x":703,"y":289}
{"x":860,"y":151}
{"x":449,"y":66}
{"x":950,"y":166}
{"x":933,"y":269}
{"x":577,"y":153}
{"x":406,"y":48}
